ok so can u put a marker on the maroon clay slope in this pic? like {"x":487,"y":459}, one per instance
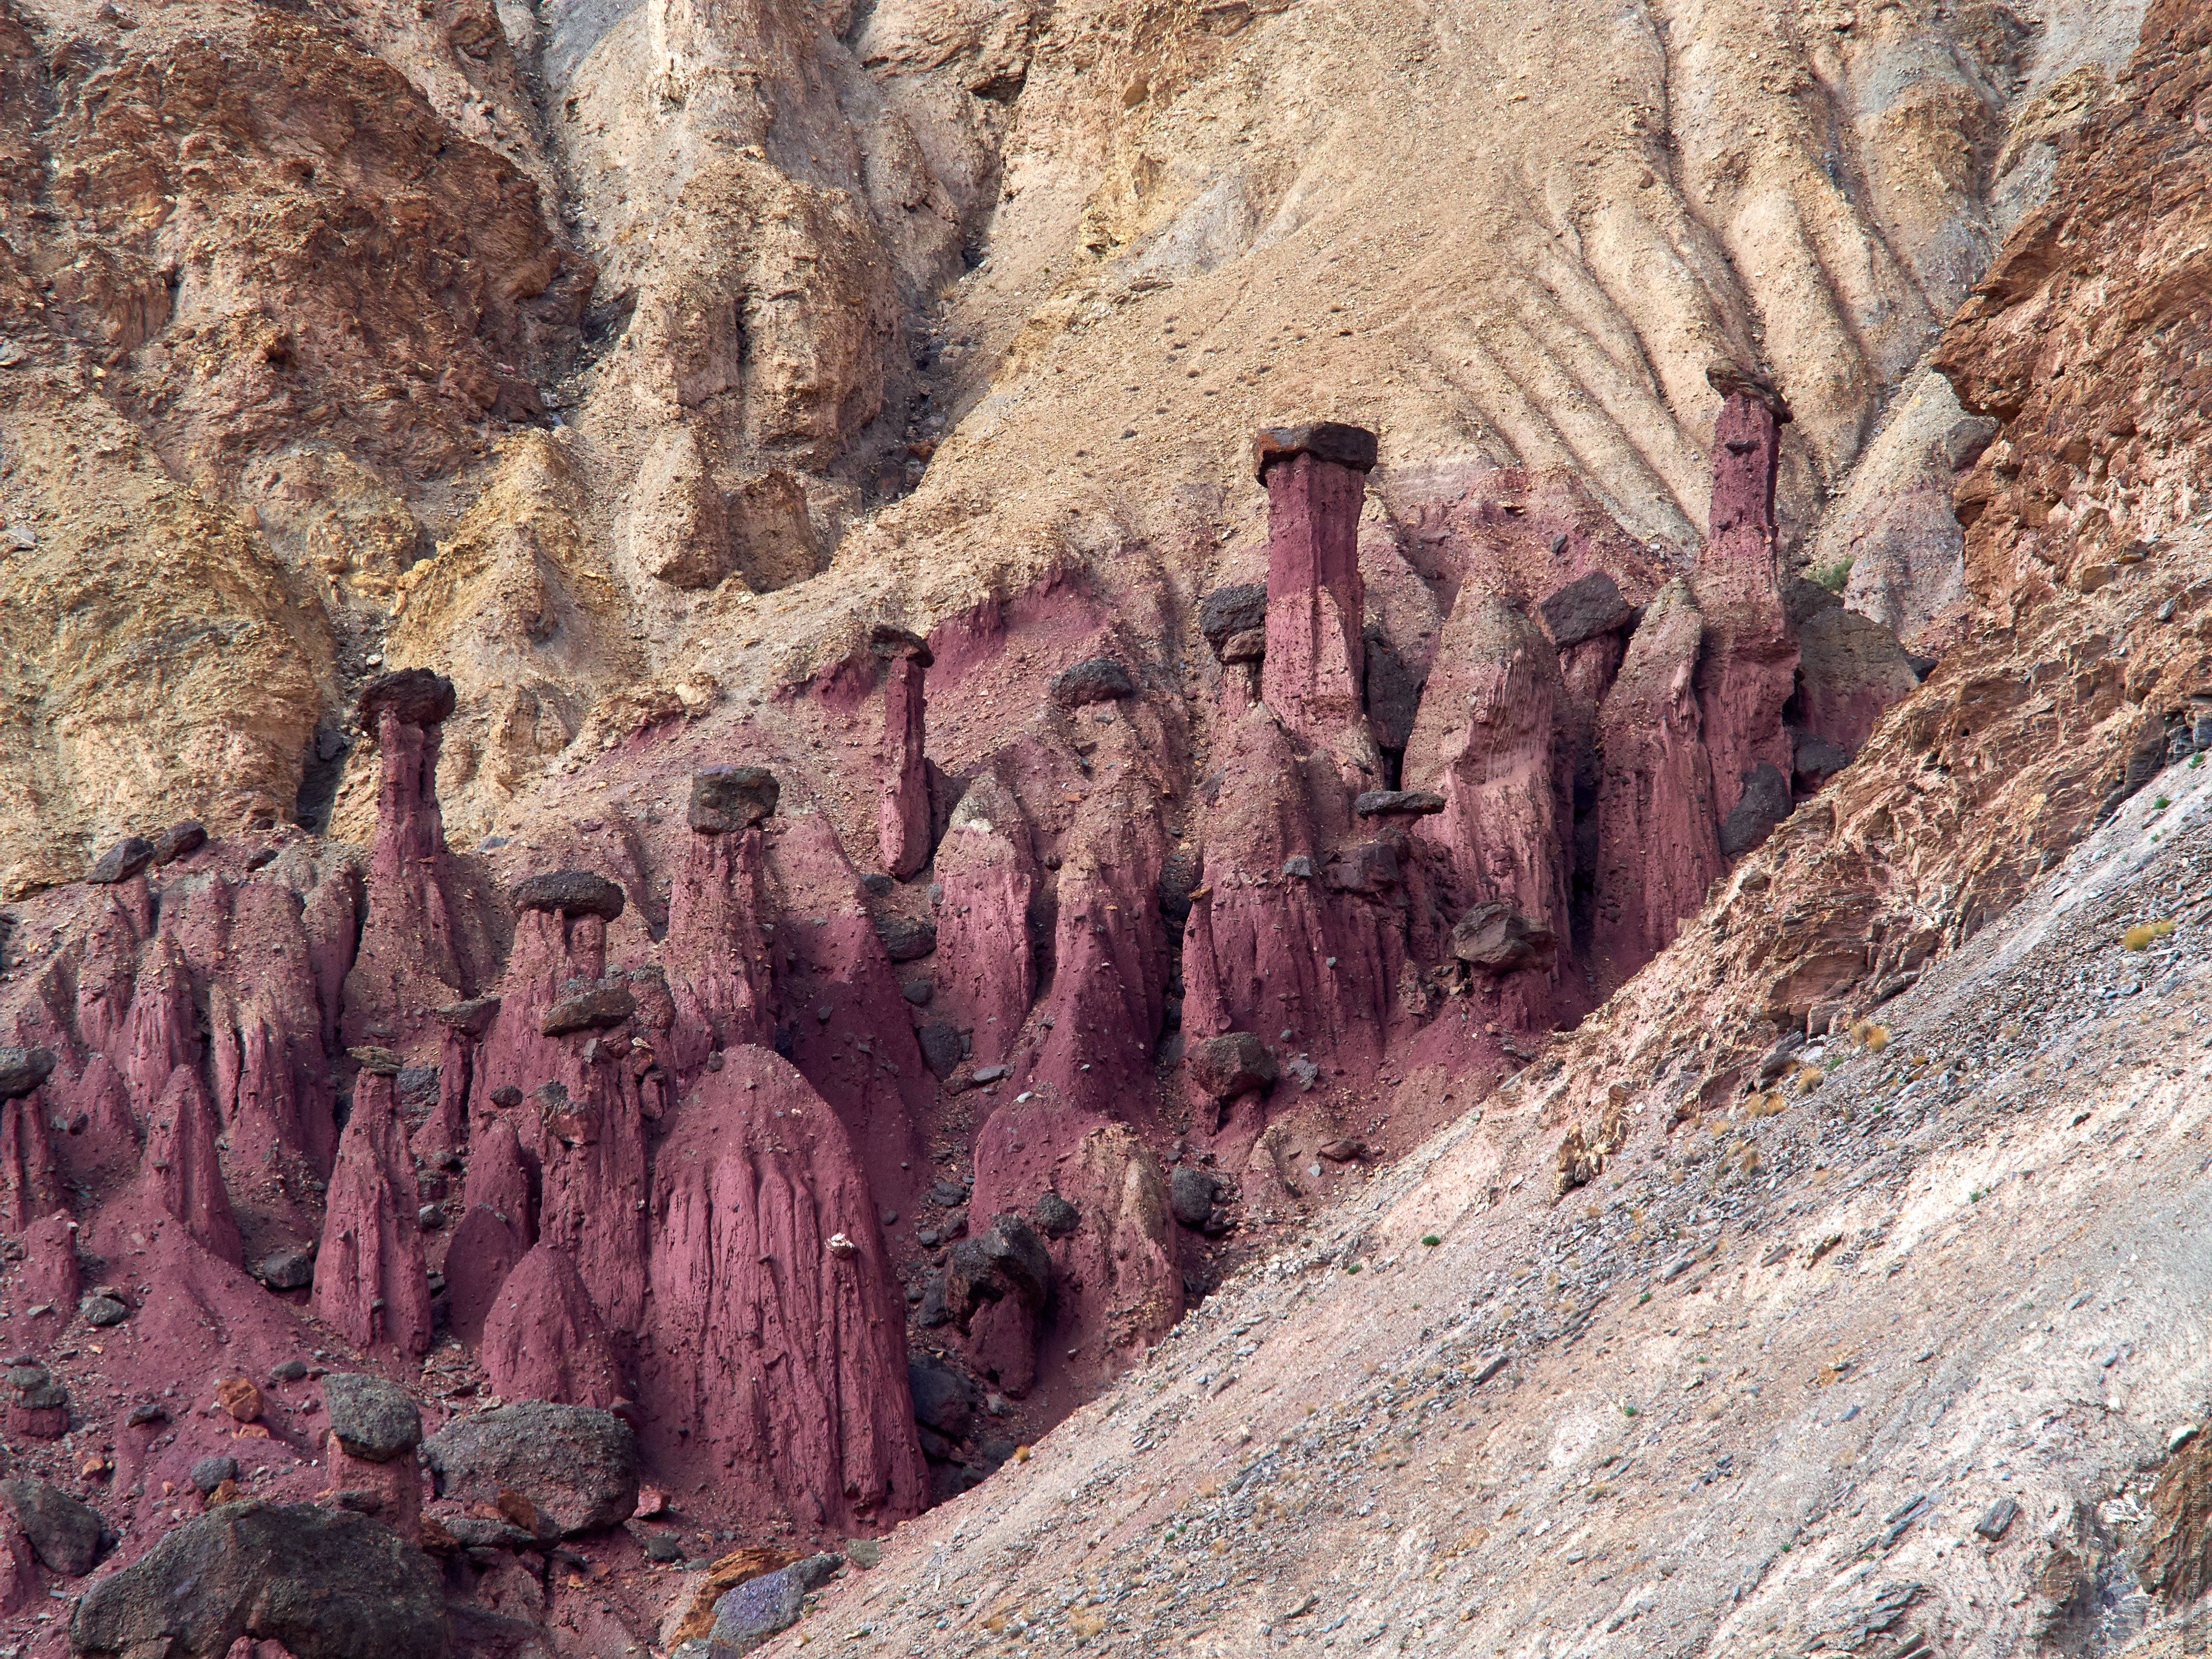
{"x":544,"y":1339}
{"x":778,"y":1367}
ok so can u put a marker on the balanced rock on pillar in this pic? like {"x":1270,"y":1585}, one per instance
{"x":1315,"y":659}
{"x":415,"y":952}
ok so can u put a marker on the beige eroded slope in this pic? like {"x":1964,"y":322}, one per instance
{"x":730,"y":247}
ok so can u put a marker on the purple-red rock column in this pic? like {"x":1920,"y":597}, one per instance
{"x":903,"y":818}
{"x":1317,"y":480}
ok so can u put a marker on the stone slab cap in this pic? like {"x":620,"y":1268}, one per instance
{"x":726,"y":797}
{"x":1332,"y":440}
{"x":417,"y":695}
{"x":22,"y":1070}
{"x":886,"y":641}
{"x":1391,"y":803}
{"x":373,"y":1419}
{"x":571,"y":893}
{"x":1727,"y":378}
{"x":470,"y":1019}
{"x":121,"y":861}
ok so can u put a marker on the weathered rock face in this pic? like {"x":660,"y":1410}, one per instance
{"x":778,"y":1358}
{"x":718,"y":929}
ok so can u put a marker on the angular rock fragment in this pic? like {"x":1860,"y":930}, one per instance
{"x":1099,"y":680}
{"x":570,"y":893}
{"x":1231,"y":1064}
{"x":576,"y":1466}
{"x":122,"y":861}
{"x":1498,"y":939}
{"x":725,"y":798}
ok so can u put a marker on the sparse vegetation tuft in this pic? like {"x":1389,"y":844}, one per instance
{"x":2139,"y":937}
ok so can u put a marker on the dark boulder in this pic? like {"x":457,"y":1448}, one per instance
{"x":944,"y":1399}
{"x":578,"y":1466}
{"x":727,"y":797}
{"x":1190,"y":1195}
{"x":1232,"y":1064}
{"x":592,"y":1008}
{"x":326,"y":1583}
{"x":179,"y":841}
{"x":1100,"y":679}
{"x":1498,"y":939}
{"x":122,"y":861}
{"x":1228,"y":612}
{"x":1006,"y":1260}
{"x":64,"y":1533}
{"x":1054,"y":1216}
{"x":22,"y":1070}
{"x":1585,"y":608}
{"x":906,"y":939}
{"x":373,"y":1419}
{"x":1389,"y":803}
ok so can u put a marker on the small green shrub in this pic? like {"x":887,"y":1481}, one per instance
{"x":1430,"y":1240}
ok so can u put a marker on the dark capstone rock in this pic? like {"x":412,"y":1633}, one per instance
{"x":22,"y":1070}
{"x":1585,"y":608}
{"x":1819,"y":758}
{"x":1391,"y":689}
{"x":122,"y":861}
{"x":1764,"y":804}
{"x":886,"y":641}
{"x":385,"y":1062}
{"x":1498,"y":939}
{"x":179,"y":841}
{"x":470,"y":1019}
{"x":1006,"y":1259}
{"x":1251,"y":646}
{"x":940,"y":1046}
{"x":416,"y":695}
{"x":906,"y":939}
{"x":291,"y":1268}
{"x":23,"y":1374}
{"x":1056,"y":1217}
{"x":748,"y":1616}
{"x":593,"y":1008}
{"x":1190,"y":1195}
{"x":1369,"y":868}
{"x":326,"y":1584}
{"x":211,"y":1472}
{"x":64,"y":1533}
{"x":726,"y":797}
{"x":944,"y":1399}
{"x":102,"y":1311}
{"x":1386,"y":803}
{"x":570,"y":892}
{"x":918,"y":988}
{"x":1234,"y":1063}
{"x":1100,"y":679}
{"x":579,"y":1466}
{"x":373,"y":1419}
{"x":1328,"y":441}
{"x":1228,"y":611}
